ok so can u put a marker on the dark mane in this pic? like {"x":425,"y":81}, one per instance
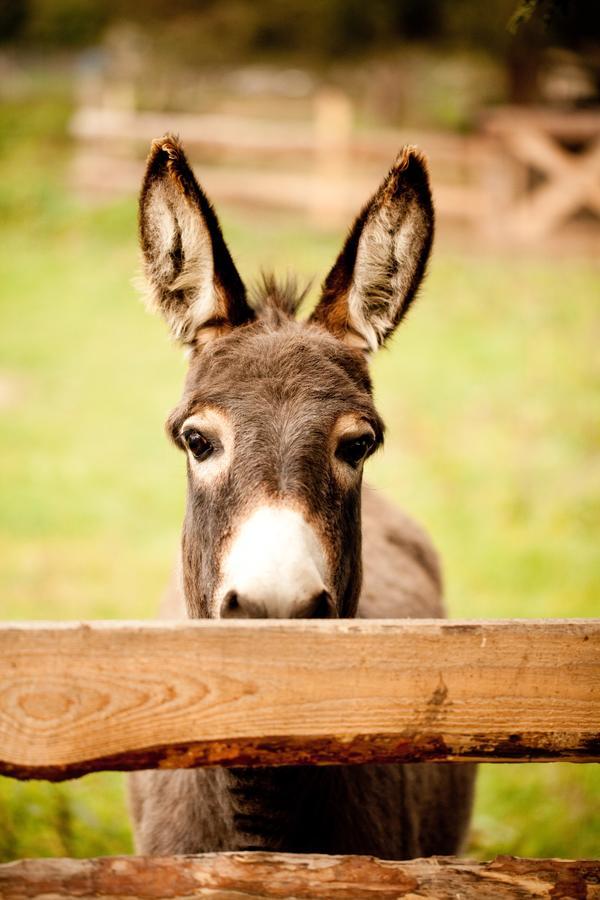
{"x":276,"y":301}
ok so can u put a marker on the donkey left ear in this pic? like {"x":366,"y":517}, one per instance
{"x":377,"y":274}
{"x":192,"y":278}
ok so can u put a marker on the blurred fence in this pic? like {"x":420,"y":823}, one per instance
{"x":523,"y":176}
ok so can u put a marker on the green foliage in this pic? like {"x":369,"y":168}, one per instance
{"x":213,"y":31}
{"x":490,"y":393}
{"x":13,"y":15}
{"x":546,"y":9}
{"x":539,"y":809}
{"x":57,"y":23}
{"x":79,"y":818}
{"x":33,"y":132}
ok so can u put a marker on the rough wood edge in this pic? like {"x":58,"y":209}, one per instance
{"x":335,"y":750}
{"x":276,"y":875}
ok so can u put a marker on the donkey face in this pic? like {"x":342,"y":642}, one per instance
{"x":277,"y":416}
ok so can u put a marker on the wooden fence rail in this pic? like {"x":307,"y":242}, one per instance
{"x":524,"y":175}
{"x":321,"y":166}
{"x":81,"y":697}
{"x":263,"y":876}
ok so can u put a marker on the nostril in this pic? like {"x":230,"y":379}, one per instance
{"x":230,"y":607}
{"x":238,"y":606}
{"x":323,"y":607}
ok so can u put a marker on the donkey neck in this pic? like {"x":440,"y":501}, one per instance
{"x":285,"y":807}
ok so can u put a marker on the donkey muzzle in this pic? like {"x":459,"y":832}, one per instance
{"x":275,"y":568}
{"x":236,"y":606}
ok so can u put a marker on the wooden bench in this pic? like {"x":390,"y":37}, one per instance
{"x":81,"y":697}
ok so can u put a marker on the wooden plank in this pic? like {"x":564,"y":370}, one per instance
{"x":108,"y":175}
{"x":81,"y":697}
{"x":214,"y":131}
{"x":572,"y":125}
{"x":277,"y":875}
{"x":247,"y":135}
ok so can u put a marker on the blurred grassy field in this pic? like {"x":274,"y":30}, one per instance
{"x":490,"y":393}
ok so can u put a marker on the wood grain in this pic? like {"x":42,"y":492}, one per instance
{"x":81,"y":697}
{"x":235,"y":876}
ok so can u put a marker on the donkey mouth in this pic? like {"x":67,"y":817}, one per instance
{"x":237,"y":606}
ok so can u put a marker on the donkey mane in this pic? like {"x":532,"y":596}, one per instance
{"x":277,"y":300}
{"x":274,"y":300}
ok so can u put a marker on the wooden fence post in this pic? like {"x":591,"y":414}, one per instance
{"x":333,"y":132}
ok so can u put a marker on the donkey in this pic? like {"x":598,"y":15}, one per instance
{"x":276,"y":421}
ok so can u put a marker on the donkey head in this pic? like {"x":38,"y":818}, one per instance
{"x":277,"y":416}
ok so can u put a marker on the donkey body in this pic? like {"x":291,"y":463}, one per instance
{"x":276,"y":420}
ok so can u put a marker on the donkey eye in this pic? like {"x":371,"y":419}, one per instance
{"x":354,"y":450}
{"x":199,"y":446}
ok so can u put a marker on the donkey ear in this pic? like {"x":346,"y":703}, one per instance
{"x":191,"y":276}
{"x":376,"y":276}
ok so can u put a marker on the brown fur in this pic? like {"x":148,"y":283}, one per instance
{"x":403,"y":199}
{"x":283,"y":385}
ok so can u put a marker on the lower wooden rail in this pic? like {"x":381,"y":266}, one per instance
{"x":278,"y":875}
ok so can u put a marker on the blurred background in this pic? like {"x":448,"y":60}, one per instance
{"x":292,"y":112}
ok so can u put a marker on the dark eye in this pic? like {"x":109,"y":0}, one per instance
{"x":199,"y":446}
{"x":354,"y":450}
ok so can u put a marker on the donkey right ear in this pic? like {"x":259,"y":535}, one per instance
{"x":191,"y":276}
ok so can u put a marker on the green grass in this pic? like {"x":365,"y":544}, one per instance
{"x":490,"y":393}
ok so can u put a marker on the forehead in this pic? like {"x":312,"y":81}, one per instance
{"x":256,"y":370}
